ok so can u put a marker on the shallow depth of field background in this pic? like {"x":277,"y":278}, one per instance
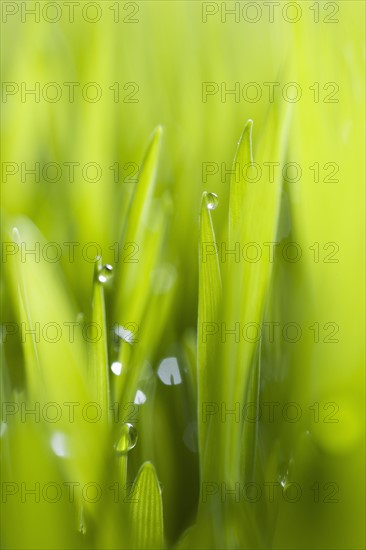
{"x":168,"y":52}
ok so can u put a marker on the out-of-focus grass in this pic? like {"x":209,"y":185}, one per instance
{"x":169,"y":53}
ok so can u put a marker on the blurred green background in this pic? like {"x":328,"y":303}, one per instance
{"x":168,"y":50}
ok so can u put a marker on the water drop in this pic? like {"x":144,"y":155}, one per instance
{"x":105,"y":273}
{"x":59,"y":444}
{"x":212,"y":201}
{"x":286,"y":473}
{"x":127,"y":439}
{"x":283,"y":479}
{"x":82,"y":526}
{"x":116,"y":368}
{"x":125,"y":334}
{"x":140,"y":397}
{"x":169,"y":372}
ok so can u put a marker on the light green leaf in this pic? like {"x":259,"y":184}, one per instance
{"x":55,"y":353}
{"x":208,"y":309}
{"x":253,"y":217}
{"x":99,"y":348}
{"x":147,"y":511}
{"x":134,"y":237}
{"x":243,"y":158}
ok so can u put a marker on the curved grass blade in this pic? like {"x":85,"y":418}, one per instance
{"x":55,"y":366}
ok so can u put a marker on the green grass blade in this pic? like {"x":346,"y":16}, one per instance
{"x":136,"y":295}
{"x":56,"y":366}
{"x":243,"y":157}
{"x":135,"y":233}
{"x":254,"y":219}
{"x":153,"y":290}
{"x":208,"y":309}
{"x":147,"y":511}
{"x":37,"y":310}
{"x":100,"y":367}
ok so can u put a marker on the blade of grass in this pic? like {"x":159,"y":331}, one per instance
{"x":100,"y":374}
{"x":144,"y":300}
{"x":56,"y":367}
{"x":134,"y":234}
{"x":243,"y":157}
{"x":147,"y":511}
{"x":208,"y":310}
{"x":253,"y":216}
